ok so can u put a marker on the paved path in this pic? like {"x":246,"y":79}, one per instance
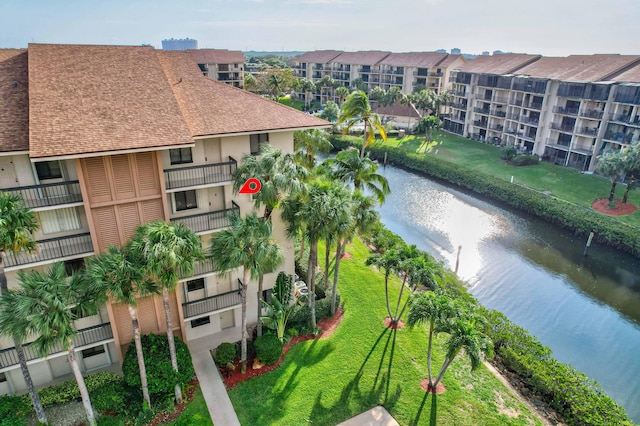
{"x":215,"y":394}
{"x":377,"y":416}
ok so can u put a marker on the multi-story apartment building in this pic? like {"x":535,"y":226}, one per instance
{"x":221,"y":64}
{"x":97,"y":144}
{"x":568,"y":110}
{"x":407,"y":71}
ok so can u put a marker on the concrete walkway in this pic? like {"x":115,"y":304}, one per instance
{"x":215,"y":394}
{"x":377,"y":416}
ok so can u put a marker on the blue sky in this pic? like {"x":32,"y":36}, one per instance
{"x":548,"y":27}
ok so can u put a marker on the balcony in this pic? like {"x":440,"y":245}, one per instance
{"x":565,"y":110}
{"x":48,"y":194}
{"x":210,"y":221}
{"x":318,"y":67}
{"x":460,"y":93}
{"x":592,"y":113}
{"x":563,"y":127}
{"x":586,"y":131}
{"x":363,"y":70}
{"x":436,"y":74}
{"x":529,"y":120}
{"x":500,"y":100}
{"x":620,"y":137}
{"x":558,"y":143}
{"x":480,"y":123}
{"x":206,"y":174}
{"x":498,"y":113}
{"x":456,"y":118}
{"x":481,"y":110}
{"x":213,"y":303}
{"x":527,"y":137}
{"x":85,"y":337}
{"x":52,"y":249}
{"x":497,"y":127}
{"x":625,"y":119}
{"x":458,"y":105}
{"x":202,"y":267}
{"x":420,"y":73}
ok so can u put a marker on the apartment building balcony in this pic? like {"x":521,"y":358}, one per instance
{"x":625,"y":119}
{"x":587,"y":131}
{"x":52,"y":249}
{"x":48,"y":194}
{"x":592,"y":113}
{"x":458,"y":105}
{"x":436,"y":74}
{"x":527,"y":137}
{"x":204,"y":174}
{"x":620,"y":137}
{"x":461,"y":93}
{"x":497,"y":127}
{"x":529,"y":120}
{"x":498,"y":113}
{"x":456,"y":118}
{"x":318,"y":67}
{"x":500,"y":100}
{"x":209,"y":221}
{"x":565,"y":110}
{"x":481,"y":110}
{"x":480,"y":123}
{"x":201,"y":268}
{"x":363,"y":70}
{"x":85,"y":337}
{"x":563,"y":127}
{"x":560,"y":144}
{"x":213,"y":303}
{"x":420,"y":73}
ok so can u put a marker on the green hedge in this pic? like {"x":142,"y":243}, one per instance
{"x":13,"y":410}
{"x":580,"y":220}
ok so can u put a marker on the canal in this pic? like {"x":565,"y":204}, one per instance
{"x":586,"y":309}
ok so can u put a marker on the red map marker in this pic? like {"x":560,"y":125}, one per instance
{"x":251,"y":186}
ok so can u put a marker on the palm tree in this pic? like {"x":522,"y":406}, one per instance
{"x":247,"y":243}
{"x":632,"y":167}
{"x":611,"y":165}
{"x":423,"y":100}
{"x":47,"y":304}
{"x":434,"y":309}
{"x":349,"y":167}
{"x":17,"y":224}
{"x":307,"y":86}
{"x":393,"y":95}
{"x":307,"y":144}
{"x":330,"y":111}
{"x":355,"y":109}
{"x":341,"y":93}
{"x":389,"y":261}
{"x":274,"y":81}
{"x":441,"y":100}
{"x":167,"y":251}
{"x":120,"y":273}
{"x":377,"y":94}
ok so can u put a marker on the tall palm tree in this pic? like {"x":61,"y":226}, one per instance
{"x":349,"y":167}
{"x":120,"y":273}
{"x":307,"y":86}
{"x":393,"y":95}
{"x":632,"y":167}
{"x":355,"y":109}
{"x":46,"y":304}
{"x":441,"y":100}
{"x":611,"y":165}
{"x":17,"y":224}
{"x":423,"y":100}
{"x":435,"y":310}
{"x":167,"y":251}
{"x":389,"y":262}
{"x":246,"y":243}
{"x":274,"y":81}
{"x":341,"y":93}
{"x":307,"y":144}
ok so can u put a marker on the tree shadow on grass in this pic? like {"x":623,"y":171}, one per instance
{"x":432,"y":412}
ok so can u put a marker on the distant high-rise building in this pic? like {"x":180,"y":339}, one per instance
{"x":441,"y":51}
{"x":486,"y":53}
{"x":455,"y":51}
{"x":498,"y":52}
{"x":179,"y":44}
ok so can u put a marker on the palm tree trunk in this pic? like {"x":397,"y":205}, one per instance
{"x":386,"y":292}
{"x":245,"y":333}
{"x":431,"y":324}
{"x":260,"y":283}
{"x":404,"y":306}
{"x":625,"y":197}
{"x":311,"y":278}
{"x":364,"y":140}
{"x":3,"y":277}
{"x":327,"y":253}
{"x":612,"y":192}
{"x":395,"y":319}
{"x":445,"y":365}
{"x":172,"y":343}
{"x":35,"y":399}
{"x":335,"y":276}
{"x":301,"y":247}
{"x":141,"y":366}
{"x":84,"y":393}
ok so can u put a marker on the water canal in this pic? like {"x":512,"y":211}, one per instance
{"x":586,"y":309}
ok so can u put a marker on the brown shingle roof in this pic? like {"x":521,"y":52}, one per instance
{"x":369,"y":57}
{"x":587,"y":68}
{"x":450,"y":59}
{"x":90,"y":99}
{"x":398,"y":110}
{"x":14,"y":100}
{"x":213,"y":108}
{"x":631,"y":75}
{"x":414,"y":59}
{"x":318,"y":56}
{"x":217,"y":56}
{"x":499,"y":64}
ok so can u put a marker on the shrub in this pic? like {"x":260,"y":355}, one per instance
{"x":323,"y":306}
{"x":268,"y":348}
{"x":109,"y":421}
{"x":525,"y":160}
{"x":110,"y":396}
{"x":508,"y":152}
{"x":300,"y":318}
{"x":13,"y":410}
{"x":145,"y":417}
{"x":160,"y":375}
{"x":225,"y":353}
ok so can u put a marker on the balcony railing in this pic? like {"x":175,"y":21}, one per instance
{"x":85,"y":337}
{"x":456,"y":118}
{"x":497,"y":127}
{"x":482,"y":110}
{"x":208,"y":221}
{"x":529,"y":120}
{"x":460,"y":93}
{"x":500,"y":100}
{"x":531,"y":138}
{"x":566,"y":144}
{"x":53,"y":248}
{"x":480,"y":123}
{"x":565,"y":110}
{"x":205,"y":174}
{"x":564,"y":127}
{"x":436,"y":74}
{"x":592,"y":113}
{"x":212,"y":303}
{"x":587,"y":131}
{"x":625,"y":119}
{"x":498,"y":113}
{"x":621,"y":137}
{"x":48,"y":194}
{"x":458,"y":105}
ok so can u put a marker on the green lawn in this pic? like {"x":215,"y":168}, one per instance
{"x":562,"y":182}
{"x":195,"y":414}
{"x":324,"y":382}
{"x":293,"y":103}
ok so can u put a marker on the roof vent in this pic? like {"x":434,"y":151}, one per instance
{"x":15,"y":83}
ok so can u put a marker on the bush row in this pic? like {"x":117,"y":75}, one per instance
{"x":580,"y":400}
{"x":608,"y":230}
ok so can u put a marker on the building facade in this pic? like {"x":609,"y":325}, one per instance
{"x":96,"y":144}
{"x":567,"y":110}
{"x":223,"y":65}
{"x":179,"y":44}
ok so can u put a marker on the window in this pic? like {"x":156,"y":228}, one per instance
{"x":180,"y":156}
{"x":3,"y":378}
{"x":49,"y":170}
{"x":195,"y":285}
{"x":186,"y":200}
{"x":200,"y":322}
{"x":60,"y":220}
{"x":256,"y":140}
{"x":73,"y":266}
{"x":96,"y":350}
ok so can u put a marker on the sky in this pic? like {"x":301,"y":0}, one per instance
{"x":547,"y":27}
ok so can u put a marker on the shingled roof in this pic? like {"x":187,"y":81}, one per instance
{"x":506,"y":63}
{"x":414,"y":59}
{"x":14,"y":100}
{"x":217,"y":56}
{"x":367,"y":57}
{"x":318,"y":56}
{"x":583,"y":68}
{"x":214,"y":108}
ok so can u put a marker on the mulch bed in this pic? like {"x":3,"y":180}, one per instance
{"x":601,"y":205}
{"x":393,"y":326}
{"x":424,"y":384}
{"x":233,"y":377}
